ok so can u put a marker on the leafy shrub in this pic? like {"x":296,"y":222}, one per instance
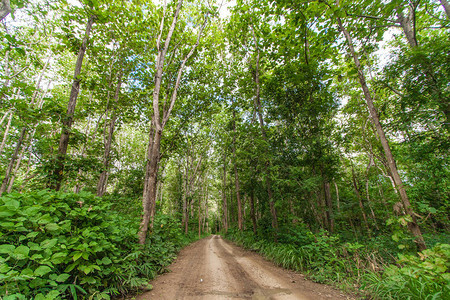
{"x":422,"y":276}
{"x":325,"y":258}
{"x":65,"y":245}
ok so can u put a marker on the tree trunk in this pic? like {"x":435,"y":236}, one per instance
{"x":148,"y":201}
{"x":5,"y":134}
{"x":446,"y":6}
{"x":57,"y":175}
{"x":236,"y":176}
{"x":12,"y":161}
{"x":413,"y":226}
{"x":4,"y":116}
{"x":258,"y":109}
{"x":19,"y":161}
{"x":224,"y":195}
{"x":337,"y":196}
{"x":329,"y":203}
{"x":405,"y":23}
{"x":5,"y":9}
{"x":358,"y":196}
{"x":252,"y":210}
{"x":101,"y":185}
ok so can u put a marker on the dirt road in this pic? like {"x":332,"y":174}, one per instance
{"x":216,"y":269}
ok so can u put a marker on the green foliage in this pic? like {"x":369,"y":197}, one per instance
{"x":422,"y":276}
{"x":327,"y":259}
{"x":62,"y":245}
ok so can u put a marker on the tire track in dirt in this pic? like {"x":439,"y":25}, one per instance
{"x":213,"y":269}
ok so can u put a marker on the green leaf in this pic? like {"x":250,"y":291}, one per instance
{"x":49,"y":243}
{"x":106,"y":260}
{"x":58,"y":257}
{"x":4,"y":268}
{"x":77,"y":255}
{"x":45,"y":219}
{"x":12,"y":204}
{"x":42,"y":270}
{"x":52,"y":227}
{"x":39,"y":297}
{"x":32,"y":234}
{"x":62,"y":277}
{"x":52,"y":295}
{"x":6,"y":249}
{"x":21,"y":252}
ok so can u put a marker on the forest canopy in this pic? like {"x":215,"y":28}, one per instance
{"x":315,"y":126}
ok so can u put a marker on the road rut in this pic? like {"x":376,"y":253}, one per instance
{"x":213,"y":268}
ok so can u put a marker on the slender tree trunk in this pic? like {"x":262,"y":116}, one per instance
{"x":446,"y":6}
{"x":236,"y":176}
{"x":329,"y":203}
{"x":12,"y":161}
{"x":5,"y":9}
{"x":224,"y":194}
{"x":413,"y":226}
{"x":405,"y":23}
{"x":337,"y":196}
{"x":5,"y":134}
{"x":57,"y":175}
{"x":252,"y":210}
{"x":358,"y":196}
{"x":32,"y":104}
{"x":149,"y":199}
{"x":258,"y":109}
{"x":101,"y":185}
{"x":148,"y":204}
{"x":19,"y":161}
{"x":16,"y":169}
{"x":371,"y":163}
{"x":4,"y":117}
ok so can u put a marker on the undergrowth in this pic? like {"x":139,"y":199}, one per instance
{"x":56,"y":245}
{"x":367,"y":269}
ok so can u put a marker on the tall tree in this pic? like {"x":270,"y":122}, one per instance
{"x":57,"y":173}
{"x":159,"y":121}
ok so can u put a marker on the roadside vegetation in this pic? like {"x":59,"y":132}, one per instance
{"x":315,"y":132}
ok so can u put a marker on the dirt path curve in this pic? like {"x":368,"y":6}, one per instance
{"x":216,"y":269}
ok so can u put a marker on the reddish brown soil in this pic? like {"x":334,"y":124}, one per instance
{"x":216,"y":269}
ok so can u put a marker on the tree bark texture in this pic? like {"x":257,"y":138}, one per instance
{"x":149,"y":197}
{"x":57,"y":175}
{"x":407,"y":24}
{"x":446,"y":6}
{"x":236,"y":176}
{"x":5,"y":134}
{"x":12,"y":161}
{"x":5,"y":9}
{"x":358,"y":196}
{"x":224,"y":194}
{"x":101,"y":185}
{"x":413,"y":226}
{"x":258,"y":109}
{"x":252,"y":210}
{"x":329,"y":203}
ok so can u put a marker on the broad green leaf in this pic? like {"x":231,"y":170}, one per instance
{"x":58,"y":257}
{"x":77,"y":255}
{"x":52,"y":227}
{"x":52,"y":295}
{"x":42,"y":270}
{"x":6,"y":249}
{"x":62,"y":277}
{"x":12,"y":204}
{"x":46,"y":244}
{"x":21,"y":252}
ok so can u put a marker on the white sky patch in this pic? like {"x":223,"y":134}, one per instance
{"x":224,"y":7}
